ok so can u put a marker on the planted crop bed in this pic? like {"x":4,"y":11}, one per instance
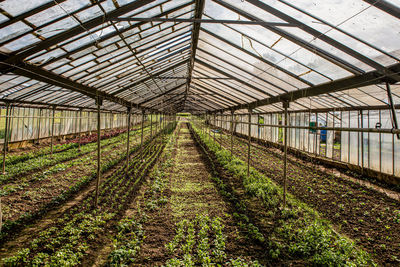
{"x":74,"y":234}
{"x":179,"y":218}
{"x":28,"y":196}
{"x":296,"y":235}
{"x":14,"y":157}
{"x":369,"y":217}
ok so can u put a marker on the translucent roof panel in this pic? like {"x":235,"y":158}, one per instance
{"x":226,"y":55}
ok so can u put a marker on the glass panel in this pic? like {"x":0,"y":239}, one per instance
{"x":15,"y":8}
{"x":13,"y":30}
{"x":57,"y":27}
{"x":22,"y":42}
{"x":48,"y":56}
{"x":57,"y":11}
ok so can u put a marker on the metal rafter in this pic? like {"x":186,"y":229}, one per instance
{"x":195,"y":39}
{"x":110,"y":35}
{"x":160,"y":95}
{"x":17,"y":59}
{"x":385,"y":6}
{"x":369,"y":78}
{"x":148,"y":78}
{"x":306,"y":45}
{"x":227,"y":21}
{"x":324,"y":38}
{"x":232,"y":77}
{"x":42,"y":75}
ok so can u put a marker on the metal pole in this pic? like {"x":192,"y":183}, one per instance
{"x":358,"y":141}
{"x":157,"y":120}
{"x":127,"y":142}
{"x":258,"y":126}
{"x":380,"y":143}
{"x":112,"y":120}
{"x":38,"y":126}
{"x":249,"y":145}
{"x":316,"y":134}
{"x":349,"y":140}
{"x":333,"y":132}
{"x":362,"y":140}
{"x":220,"y":130}
{"x":141,"y":138}
{"x":209,"y":126}
{"x":98,"y":153}
{"x":326,"y":134}
{"x":52,"y":131}
{"x":341,"y":143}
{"x":151,"y":125}
{"x":5,"y":144}
{"x":285,"y":105}
{"x":369,"y":147}
{"x":214,"y":128}
{"x":232,"y":114}
{"x":80,"y":129}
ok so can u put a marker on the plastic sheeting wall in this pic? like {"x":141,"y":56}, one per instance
{"x":34,"y":123}
{"x":377,"y":151}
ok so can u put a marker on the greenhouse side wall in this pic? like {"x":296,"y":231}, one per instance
{"x":34,"y":124}
{"x":374,"y":154}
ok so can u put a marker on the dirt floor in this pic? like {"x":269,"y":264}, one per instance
{"x":190,"y":192}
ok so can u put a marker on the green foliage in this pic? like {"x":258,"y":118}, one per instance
{"x":301,"y":233}
{"x":68,"y":240}
{"x":127,"y":242}
{"x":201,"y":241}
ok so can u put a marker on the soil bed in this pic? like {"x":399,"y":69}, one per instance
{"x":369,"y":217}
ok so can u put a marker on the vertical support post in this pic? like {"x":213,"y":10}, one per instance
{"x":141,"y":138}
{"x":214,"y":127}
{"x":316,"y":135}
{"x":349,"y":139}
{"x":80,"y":129}
{"x":112,"y":120}
{"x":249,"y":144}
{"x":258,"y":127}
{"x":96,"y":200}
{"x":326,"y":134}
{"x":369,"y":146}
{"x":127,"y":141}
{"x":151,"y":125}
{"x":285,"y":106}
{"x":232,"y":115}
{"x":38,"y":125}
{"x":52,"y":131}
{"x":334,"y":133}
{"x":157,"y":120}
{"x":341,"y":143}
{"x":5,"y":147}
{"x":220,"y":133}
{"x":380,"y":143}
{"x":309,"y":133}
{"x":209,"y":128}
{"x":358,"y":140}
{"x":362,"y":141}
{"x":5,"y":144}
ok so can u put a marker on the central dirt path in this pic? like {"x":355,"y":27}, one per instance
{"x":193,"y":192}
{"x":190,"y":193}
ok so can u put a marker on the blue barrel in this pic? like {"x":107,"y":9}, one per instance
{"x":323,"y":135}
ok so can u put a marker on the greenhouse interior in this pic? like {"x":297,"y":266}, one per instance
{"x":200,"y":133}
